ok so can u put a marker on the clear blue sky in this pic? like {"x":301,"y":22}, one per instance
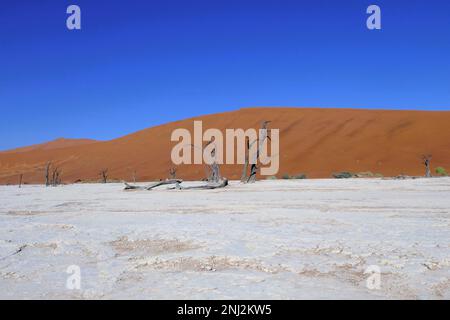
{"x":137,"y":64}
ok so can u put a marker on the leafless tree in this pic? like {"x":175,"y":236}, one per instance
{"x":214,"y":179}
{"x":104,"y":174}
{"x":173,"y":172}
{"x":426,"y":159}
{"x":47,"y":173}
{"x":254,"y":166}
{"x":245,"y":168}
{"x":56,"y":177}
{"x":54,"y":174}
{"x":214,"y":172}
{"x":20,"y":180}
{"x":133,"y":174}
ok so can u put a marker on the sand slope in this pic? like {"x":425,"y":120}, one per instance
{"x":317,"y":142}
{"x":54,"y":144}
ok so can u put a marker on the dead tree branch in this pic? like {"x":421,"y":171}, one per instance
{"x":210,"y":185}
{"x":153,"y":185}
{"x":15,"y":252}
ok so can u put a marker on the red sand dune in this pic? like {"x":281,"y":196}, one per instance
{"x":55,"y":144}
{"x":316,"y":142}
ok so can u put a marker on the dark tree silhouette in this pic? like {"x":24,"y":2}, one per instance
{"x":47,"y":173}
{"x":56,"y":177}
{"x":104,"y":175}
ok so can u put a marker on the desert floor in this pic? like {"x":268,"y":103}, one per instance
{"x":285,"y":239}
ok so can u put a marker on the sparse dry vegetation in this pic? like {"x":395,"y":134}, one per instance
{"x":342,"y":175}
{"x":440,"y":171}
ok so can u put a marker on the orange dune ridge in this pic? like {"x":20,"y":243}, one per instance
{"x":55,"y":144}
{"x":313,"y":141}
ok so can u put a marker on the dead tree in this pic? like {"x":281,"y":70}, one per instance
{"x":173,"y":172}
{"x":214,"y":179}
{"x":254,"y":166}
{"x":245,"y":169}
{"x":56,"y":177}
{"x":20,"y":180}
{"x":104,"y":174}
{"x":214,"y":169}
{"x":426,"y":162}
{"x":53,"y":180}
{"x":47,"y":174}
{"x":214,"y":172}
{"x":133,"y":174}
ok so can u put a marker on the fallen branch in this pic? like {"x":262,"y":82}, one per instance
{"x":153,"y":185}
{"x":211,"y":185}
{"x":15,"y":252}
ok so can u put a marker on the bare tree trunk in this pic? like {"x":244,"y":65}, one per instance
{"x":104,"y":175}
{"x":134,"y":176}
{"x":428,"y":171}
{"x":173,"y":172}
{"x":245,"y":169}
{"x":47,"y":174}
{"x":20,"y":180}
{"x":252,"y":176}
{"x":214,"y":175}
{"x":426,"y":162}
{"x":56,"y":177}
{"x":254,"y":166}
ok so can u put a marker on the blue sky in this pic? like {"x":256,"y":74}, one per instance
{"x":136,"y":64}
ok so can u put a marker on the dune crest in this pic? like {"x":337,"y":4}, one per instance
{"x":54,"y":144}
{"x":316,"y":142}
